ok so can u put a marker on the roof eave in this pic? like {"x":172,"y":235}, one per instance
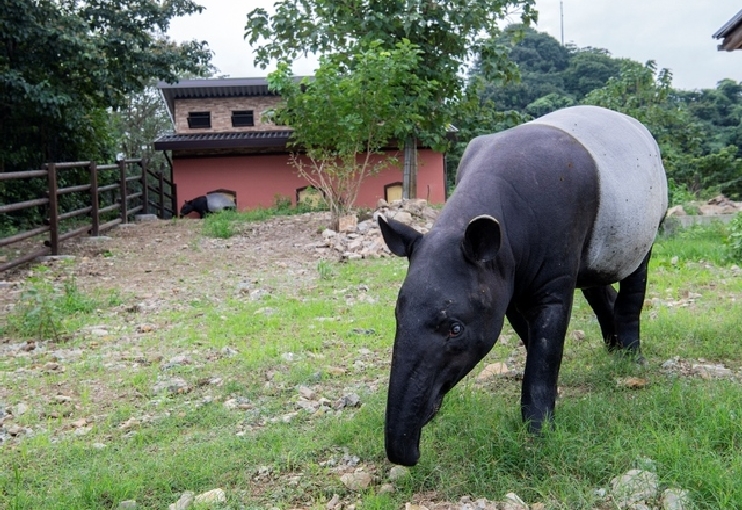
{"x":167,"y":145}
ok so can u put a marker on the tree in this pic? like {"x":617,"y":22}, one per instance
{"x":589,"y":68}
{"x":63,"y":61}
{"x":344,"y":117}
{"x":645,"y":93}
{"x":66,"y":64}
{"x":447,"y":34}
{"x":140,"y":122}
{"x":541,"y":61}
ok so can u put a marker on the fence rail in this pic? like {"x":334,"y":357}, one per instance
{"x":133,"y":184}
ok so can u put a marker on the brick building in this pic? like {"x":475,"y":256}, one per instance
{"x":222,"y":141}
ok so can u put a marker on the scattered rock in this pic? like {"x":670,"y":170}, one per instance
{"x":492,"y":370}
{"x":128,"y":505}
{"x":333,"y":503}
{"x":410,"y":506}
{"x":177,"y":361}
{"x":635,"y":486}
{"x":675,"y":499}
{"x":364,"y":240}
{"x":705,"y":371}
{"x":145,"y":328}
{"x":176,"y":385}
{"x":307,"y":393}
{"x":186,"y":500}
{"x":632,"y":382}
{"x":349,"y":400}
{"x":387,"y":488}
{"x":578,"y":335}
{"x":512,"y":502}
{"x":212,"y":496}
{"x":228,"y":352}
{"x":19,"y":410}
{"x":676,"y":210}
{"x":356,"y":481}
{"x":398,"y":472}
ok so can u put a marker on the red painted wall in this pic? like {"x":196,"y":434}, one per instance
{"x":258,"y":178}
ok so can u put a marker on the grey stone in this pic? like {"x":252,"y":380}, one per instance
{"x":128,"y":505}
{"x":175,"y":385}
{"x":212,"y":496}
{"x":512,"y":502}
{"x":356,"y":481}
{"x":675,"y":499}
{"x":398,"y":472}
{"x":185,"y":501}
{"x":634,"y":486}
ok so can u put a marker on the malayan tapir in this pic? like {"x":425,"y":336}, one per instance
{"x":573,"y":199}
{"x":209,"y":203}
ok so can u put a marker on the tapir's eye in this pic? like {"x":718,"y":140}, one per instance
{"x":455,"y":329}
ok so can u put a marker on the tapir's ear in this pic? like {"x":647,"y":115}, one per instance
{"x":481,"y":239}
{"x":399,"y":237}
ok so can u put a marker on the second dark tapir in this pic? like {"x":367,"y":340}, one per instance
{"x":571,"y":200}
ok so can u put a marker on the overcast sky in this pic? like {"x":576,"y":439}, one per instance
{"x":674,"y":33}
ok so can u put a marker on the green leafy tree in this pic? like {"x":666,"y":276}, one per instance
{"x":448,"y":35}
{"x":345,"y":116}
{"x":541,"y":62}
{"x":64,"y":65}
{"x":645,"y":93}
{"x":589,"y":68}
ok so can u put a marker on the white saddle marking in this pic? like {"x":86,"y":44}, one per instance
{"x":632,"y":185}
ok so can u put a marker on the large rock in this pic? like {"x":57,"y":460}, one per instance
{"x":364,"y":240}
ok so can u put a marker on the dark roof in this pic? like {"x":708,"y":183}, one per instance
{"x":727,"y":33}
{"x":245,"y":139}
{"x":219,"y":87}
{"x":728,"y":26}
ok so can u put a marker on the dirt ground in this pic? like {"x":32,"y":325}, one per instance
{"x":169,"y":261}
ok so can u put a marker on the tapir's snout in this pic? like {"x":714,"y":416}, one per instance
{"x":402,"y":449}
{"x":414,"y":399}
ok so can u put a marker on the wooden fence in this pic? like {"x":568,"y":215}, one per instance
{"x":121,"y":197}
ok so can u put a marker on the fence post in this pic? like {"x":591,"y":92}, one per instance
{"x":174,"y":199}
{"x":145,"y":188}
{"x":161,"y":185}
{"x":94,"y":204}
{"x":51,"y":173}
{"x":123,"y":193}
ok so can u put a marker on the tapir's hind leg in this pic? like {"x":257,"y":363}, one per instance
{"x":519,"y":323}
{"x":629,"y":303}
{"x":618,"y":312}
{"x":603,"y":300}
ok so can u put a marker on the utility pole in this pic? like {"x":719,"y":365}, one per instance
{"x":561,"y":19}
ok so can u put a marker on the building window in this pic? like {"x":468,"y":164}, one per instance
{"x":310,"y":196}
{"x":242,"y":118}
{"x":393,"y":191}
{"x":199,"y":119}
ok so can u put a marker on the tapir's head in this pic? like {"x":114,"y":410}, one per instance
{"x":187,"y":208}
{"x":449,"y":312}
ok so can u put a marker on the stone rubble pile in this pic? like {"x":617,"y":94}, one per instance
{"x":362,"y":239}
{"x":713,"y":207}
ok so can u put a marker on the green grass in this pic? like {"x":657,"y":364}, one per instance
{"x":227,"y":223}
{"x":52,"y":305}
{"x":689,"y":426}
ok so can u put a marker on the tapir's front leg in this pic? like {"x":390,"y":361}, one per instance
{"x":547,"y":325}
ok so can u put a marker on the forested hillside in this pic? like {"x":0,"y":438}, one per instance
{"x":699,"y":131}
